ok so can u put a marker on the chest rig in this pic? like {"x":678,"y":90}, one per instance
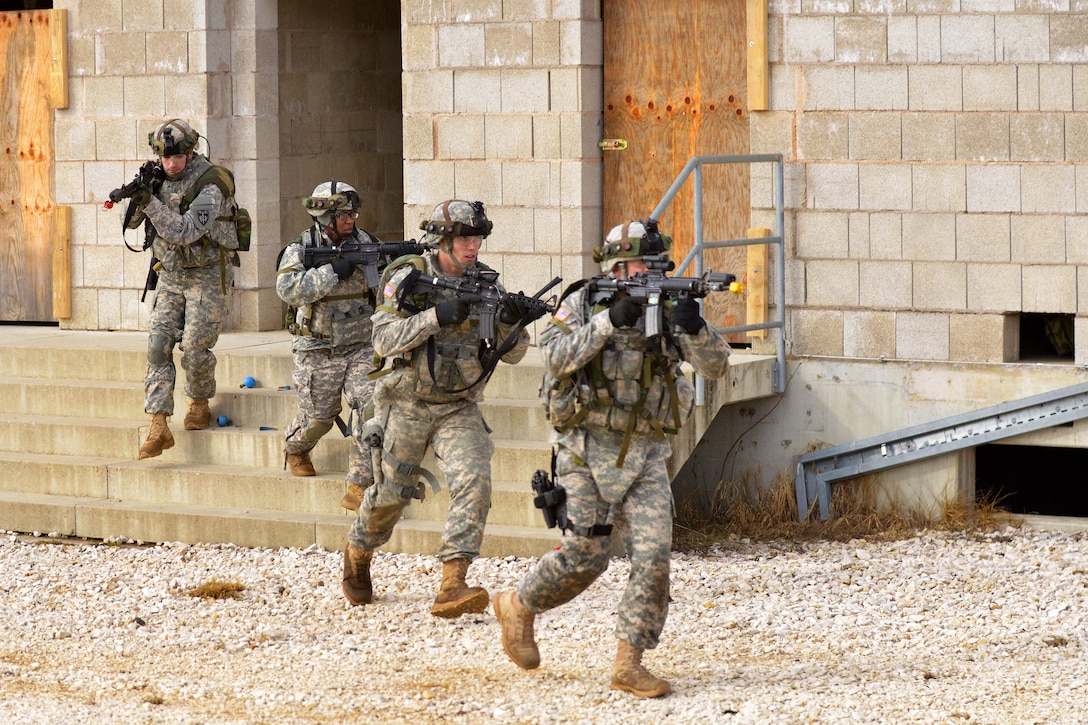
{"x":341,"y":317}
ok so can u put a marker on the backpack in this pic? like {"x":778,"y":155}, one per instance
{"x":224,"y":179}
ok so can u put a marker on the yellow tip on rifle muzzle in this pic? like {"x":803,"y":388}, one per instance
{"x":736,"y":288}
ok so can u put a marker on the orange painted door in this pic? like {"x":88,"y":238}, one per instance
{"x":26,"y":167}
{"x":675,"y":87}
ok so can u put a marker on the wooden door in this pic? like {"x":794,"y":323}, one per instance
{"x":675,"y":87}
{"x":26,"y":166}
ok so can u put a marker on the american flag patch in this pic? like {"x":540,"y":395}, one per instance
{"x":562,"y":314}
{"x":390,"y":291}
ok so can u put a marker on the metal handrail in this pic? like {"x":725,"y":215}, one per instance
{"x":694,"y":167}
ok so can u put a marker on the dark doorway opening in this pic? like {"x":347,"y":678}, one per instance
{"x":1046,"y":337}
{"x":1033,"y":479}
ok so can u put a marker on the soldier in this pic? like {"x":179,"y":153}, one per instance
{"x":431,"y":396}
{"x":331,"y":328}
{"x":612,"y":395}
{"x":190,"y":211}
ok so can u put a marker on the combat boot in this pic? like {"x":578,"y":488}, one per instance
{"x":299,"y":463}
{"x":629,"y":675}
{"x":356,"y":583}
{"x":159,"y":437}
{"x":517,"y":630}
{"x":455,"y":597}
{"x":353,"y":497}
{"x":199,"y":414}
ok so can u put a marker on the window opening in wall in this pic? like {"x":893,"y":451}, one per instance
{"x":1033,"y":479}
{"x":10,"y":5}
{"x":1046,"y":337}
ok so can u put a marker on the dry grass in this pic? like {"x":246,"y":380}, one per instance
{"x":217,"y":589}
{"x":861,"y":510}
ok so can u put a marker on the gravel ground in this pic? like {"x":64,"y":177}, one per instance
{"x":939,"y":628}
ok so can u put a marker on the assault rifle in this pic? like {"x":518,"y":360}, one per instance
{"x":479,"y":286}
{"x":149,"y":175}
{"x":367,"y":255}
{"x":652,"y":288}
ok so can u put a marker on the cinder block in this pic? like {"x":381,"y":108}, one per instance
{"x":545,"y":40}
{"x":581,"y":42}
{"x":1027,"y":87}
{"x":861,"y":39}
{"x":460,"y":136}
{"x":885,"y":285}
{"x":994,"y":287}
{"x":120,"y":54}
{"x":1080,"y":341}
{"x":1048,"y":189}
{"x":884,"y":186}
{"x":525,"y":90}
{"x":105,"y":96}
{"x":546,"y":138}
{"x":99,"y":177}
{"x":940,"y":285}
{"x":187,"y":96}
{"x":875,"y":136}
{"x":993,"y":188}
{"x":939,"y":187}
{"x":579,"y":184}
{"x":858,"y":235}
{"x":832,"y":186}
{"x":771,"y":132}
{"x":1055,"y":87}
{"x":967,"y":38}
{"x":935,"y":88}
{"x":565,"y":86}
{"x":75,"y":137}
{"x":821,"y":235}
{"x":921,"y":335}
{"x":831,"y":283}
{"x":868,"y":334}
{"x":1076,"y":239}
{"x":479,"y":180}
{"x":929,"y":36}
{"x":528,"y":183}
{"x":509,"y":136}
{"x":929,"y":136}
{"x":578,"y":135}
{"x":1038,"y":239}
{"x":817,"y":332}
{"x":580,"y":229}
{"x":1022,"y":38}
{"x":508,"y":44}
{"x":929,"y":237}
{"x":828,"y":88}
{"x":902,"y":39}
{"x":982,"y":136}
{"x":168,"y":53}
{"x":1049,"y":288}
{"x":427,"y":182}
{"x":809,"y":39}
{"x":429,"y":92}
{"x":983,"y":238}
{"x":547,"y":226}
{"x":886,"y":235}
{"x":1076,"y":138}
{"x":1067,"y":34}
{"x":103,"y":266}
{"x":461,"y":45}
{"x":145,"y":96}
{"x":989,"y":88}
{"x":477,"y":91}
{"x":1037,"y":137}
{"x":419,"y":47}
{"x":109,"y":309}
{"x":821,"y":135}
{"x":114,"y":139}
{"x":880,"y":88}
{"x":983,"y":338}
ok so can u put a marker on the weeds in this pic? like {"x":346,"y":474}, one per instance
{"x":217,"y":589}
{"x":862,"y":510}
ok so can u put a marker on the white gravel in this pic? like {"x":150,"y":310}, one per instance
{"x":940,"y":628}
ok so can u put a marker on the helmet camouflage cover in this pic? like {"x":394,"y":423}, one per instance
{"x":172,"y":138}
{"x":456,"y":218}
{"x":328,"y":198}
{"x":633,"y":240}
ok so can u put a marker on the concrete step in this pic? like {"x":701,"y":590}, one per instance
{"x":107,"y":518}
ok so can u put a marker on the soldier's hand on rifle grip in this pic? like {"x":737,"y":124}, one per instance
{"x":625,"y":312}
{"x":512,"y":311}
{"x":685,"y":315}
{"x":452,"y":312}
{"x":343,"y":268}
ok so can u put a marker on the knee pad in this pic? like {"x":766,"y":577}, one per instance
{"x":159,"y":348}
{"x":315,"y":429}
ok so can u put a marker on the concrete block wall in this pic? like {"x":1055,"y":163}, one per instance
{"x":131,"y":66}
{"x":939,"y":173}
{"x":502,"y":102}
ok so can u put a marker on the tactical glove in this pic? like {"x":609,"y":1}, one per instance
{"x":452,"y":312}
{"x":625,"y":312}
{"x":685,"y":315}
{"x":343,"y":268}
{"x":142,"y":196}
{"x":512,"y":311}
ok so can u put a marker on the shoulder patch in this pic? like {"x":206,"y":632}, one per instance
{"x":203,"y":211}
{"x":562,"y":314}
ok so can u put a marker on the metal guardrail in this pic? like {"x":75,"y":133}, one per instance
{"x":694,"y":168}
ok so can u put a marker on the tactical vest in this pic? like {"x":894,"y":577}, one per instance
{"x":453,"y":352}
{"x":341,"y":317}
{"x":218,"y":244}
{"x":632,"y":386}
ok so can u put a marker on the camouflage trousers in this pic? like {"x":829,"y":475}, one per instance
{"x":643,"y":518}
{"x":322,"y":376}
{"x":462,"y":444}
{"x":190,"y":306}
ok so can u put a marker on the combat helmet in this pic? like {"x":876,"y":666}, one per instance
{"x":173,"y":137}
{"x":630,"y":241}
{"x":456,"y":218}
{"x":328,"y":198}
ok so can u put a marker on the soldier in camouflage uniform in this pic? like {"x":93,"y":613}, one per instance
{"x":611,"y":450}
{"x":420,"y":331}
{"x":191,"y":212}
{"x":331,"y":329}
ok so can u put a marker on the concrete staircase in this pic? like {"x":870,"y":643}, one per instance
{"x":71,"y":423}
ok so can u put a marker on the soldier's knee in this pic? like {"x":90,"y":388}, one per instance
{"x":159,"y":349}
{"x":315,"y":429}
